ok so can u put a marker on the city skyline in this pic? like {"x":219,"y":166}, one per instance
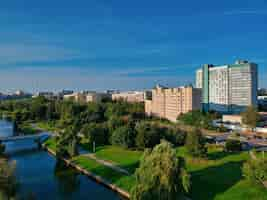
{"x":97,"y":45}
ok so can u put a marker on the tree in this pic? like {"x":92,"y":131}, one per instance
{"x":175,"y":136}
{"x":233,"y":146}
{"x":250,"y":117}
{"x":255,"y":170}
{"x":97,"y":133}
{"x":195,"y":144}
{"x":161,"y":175}
{"x":198,"y":119}
{"x":115,"y":122}
{"x":123,"y":136}
{"x":67,"y":142}
{"x":148,"y":135}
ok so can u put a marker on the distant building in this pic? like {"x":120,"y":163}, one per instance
{"x":235,"y":119}
{"x":16,"y":95}
{"x":169,"y":103}
{"x":262,"y":92}
{"x":60,"y":95}
{"x":228,"y":88}
{"x":131,"y":96}
{"x":47,"y":95}
{"x":87,"y":96}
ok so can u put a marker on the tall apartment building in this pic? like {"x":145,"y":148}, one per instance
{"x":169,"y":103}
{"x":228,"y":88}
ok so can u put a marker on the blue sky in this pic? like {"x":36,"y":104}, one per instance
{"x":101,"y":44}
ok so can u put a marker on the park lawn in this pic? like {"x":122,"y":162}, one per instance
{"x":219,"y":177}
{"x":127,"y":159}
{"x":119,"y":179}
{"x":28,"y":129}
{"x":48,"y":126}
{"x":51,"y":144}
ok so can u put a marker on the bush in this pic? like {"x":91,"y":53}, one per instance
{"x":233,"y":146}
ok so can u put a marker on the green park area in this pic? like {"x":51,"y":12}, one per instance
{"x":144,"y":155}
{"x":218,"y":177}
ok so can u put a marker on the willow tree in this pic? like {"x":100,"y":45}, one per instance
{"x":161,"y":175}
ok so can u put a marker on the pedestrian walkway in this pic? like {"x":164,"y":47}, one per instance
{"x":107,"y":164}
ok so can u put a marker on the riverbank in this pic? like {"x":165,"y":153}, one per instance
{"x":99,"y":179}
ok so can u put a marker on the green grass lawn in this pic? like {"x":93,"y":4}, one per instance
{"x":28,"y":129}
{"x":124,"y":158}
{"x":219,"y":177}
{"x":48,"y":126}
{"x":51,"y":144}
{"x":117,"y":178}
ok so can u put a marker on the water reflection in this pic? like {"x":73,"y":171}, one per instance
{"x":67,"y":178}
{"x":41,"y":177}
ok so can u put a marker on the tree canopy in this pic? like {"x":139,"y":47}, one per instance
{"x":161,"y":175}
{"x":195,"y":143}
{"x":255,"y":169}
{"x":250,"y":117}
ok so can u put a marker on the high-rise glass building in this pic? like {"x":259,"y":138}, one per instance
{"x":228,"y":88}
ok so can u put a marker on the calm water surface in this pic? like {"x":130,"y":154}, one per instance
{"x":41,"y":176}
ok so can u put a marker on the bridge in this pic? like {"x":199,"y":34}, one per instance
{"x":41,"y":136}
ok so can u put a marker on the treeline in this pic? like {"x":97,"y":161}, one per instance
{"x":201,"y":119}
{"x":118,"y":123}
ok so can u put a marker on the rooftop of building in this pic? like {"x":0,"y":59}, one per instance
{"x":238,"y":63}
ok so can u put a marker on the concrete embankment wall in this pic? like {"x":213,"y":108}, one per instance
{"x":93,"y":176}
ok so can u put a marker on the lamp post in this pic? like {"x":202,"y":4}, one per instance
{"x":94,"y":146}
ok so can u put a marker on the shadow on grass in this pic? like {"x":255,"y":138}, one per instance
{"x":220,"y":155}
{"x":131,"y":167}
{"x":211,"y":181}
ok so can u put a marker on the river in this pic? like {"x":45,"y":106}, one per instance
{"x":40,"y":176}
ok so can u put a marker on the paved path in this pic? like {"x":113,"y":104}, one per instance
{"x":108,"y":164}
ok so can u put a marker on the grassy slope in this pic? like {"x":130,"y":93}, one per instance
{"x":217,"y":178}
{"x":48,"y":126}
{"x":28,"y":129}
{"x":119,"y":179}
{"x":220,"y":177}
{"x":51,"y":144}
{"x":124,"y":158}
